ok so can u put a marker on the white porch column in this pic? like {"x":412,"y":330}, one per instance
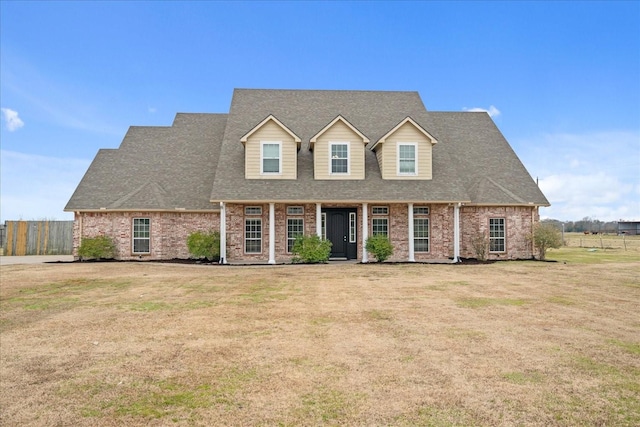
{"x":456,"y":232}
{"x":319,"y":220}
{"x":272,"y":233}
{"x":365,"y":232}
{"x":223,"y":233}
{"x":412,"y":257}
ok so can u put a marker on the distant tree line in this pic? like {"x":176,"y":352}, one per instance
{"x":586,"y":224}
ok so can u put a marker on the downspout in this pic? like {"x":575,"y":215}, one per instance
{"x":456,"y":233}
{"x":223,"y":233}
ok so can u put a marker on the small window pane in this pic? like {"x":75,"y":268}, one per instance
{"x":253,"y":210}
{"x":352,"y":227}
{"x":323,"y":225}
{"x":295,"y":210}
{"x":380,"y":210}
{"x":420,"y":210}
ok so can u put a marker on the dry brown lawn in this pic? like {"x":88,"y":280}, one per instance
{"x":511,"y":343}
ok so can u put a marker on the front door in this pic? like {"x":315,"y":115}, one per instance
{"x":340,"y":225}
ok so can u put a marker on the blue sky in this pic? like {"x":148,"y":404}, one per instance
{"x":561,"y":80}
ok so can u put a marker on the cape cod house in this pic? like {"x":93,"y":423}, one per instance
{"x":341,"y":164}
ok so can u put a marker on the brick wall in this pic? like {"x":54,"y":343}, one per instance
{"x":519,"y":221}
{"x":169,"y":231}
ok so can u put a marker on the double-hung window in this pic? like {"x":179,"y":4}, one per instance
{"x":339,"y":158}
{"x":141,"y":235}
{"x":271,"y":157}
{"x":421,"y":234}
{"x":295,"y":228}
{"x":253,"y":230}
{"x":380,"y":222}
{"x":407,"y":164}
{"x":496,"y":235}
{"x":295,"y":225}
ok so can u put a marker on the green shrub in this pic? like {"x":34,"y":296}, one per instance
{"x":545,"y":236}
{"x":204,"y":245}
{"x":311,"y":250}
{"x":100,"y":247}
{"x":380,"y":246}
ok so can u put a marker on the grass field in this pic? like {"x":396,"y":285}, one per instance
{"x":509,"y":343}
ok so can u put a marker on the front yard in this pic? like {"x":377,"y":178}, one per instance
{"x":508,"y":343}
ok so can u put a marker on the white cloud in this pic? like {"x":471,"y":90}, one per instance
{"x":37,"y":187}
{"x":152,"y":110}
{"x":11,"y":119}
{"x":592,"y":174}
{"x":492,"y":111}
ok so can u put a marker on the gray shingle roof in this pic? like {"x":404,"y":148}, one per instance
{"x":155,"y":168}
{"x":470,"y":148}
{"x":200,"y":157}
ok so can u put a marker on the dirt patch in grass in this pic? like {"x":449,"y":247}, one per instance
{"x":524,"y":343}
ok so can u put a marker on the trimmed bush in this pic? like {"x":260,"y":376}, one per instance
{"x":380,"y":246}
{"x":311,"y":250}
{"x":204,"y":245}
{"x":100,"y":247}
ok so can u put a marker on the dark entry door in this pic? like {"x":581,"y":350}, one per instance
{"x":339,"y":232}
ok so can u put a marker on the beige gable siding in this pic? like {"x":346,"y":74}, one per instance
{"x":388,"y":153}
{"x":270,"y":131}
{"x":339,"y":132}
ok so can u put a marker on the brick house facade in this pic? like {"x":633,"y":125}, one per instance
{"x":340,"y":164}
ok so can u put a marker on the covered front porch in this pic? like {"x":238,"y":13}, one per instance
{"x":262,"y":232}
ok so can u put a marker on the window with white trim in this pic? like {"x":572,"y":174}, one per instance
{"x":421,"y":210}
{"x":380,"y":210}
{"x":339,"y":158}
{"x":270,"y":157}
{"x":295,"y":228}
{"x":323,"y":225}
{"x":253,"y":235}
{"x":141,"y":236}
{"x":407,"y":164}
{"x":295,"y":210}
{"x":253,"y":210}
{"x":379,"y":225}
{"x":421,"y":234}
{"x":352,"y":227}
{"x":496,"y":235}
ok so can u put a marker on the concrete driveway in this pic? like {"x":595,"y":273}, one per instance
{"x":34,"y":259}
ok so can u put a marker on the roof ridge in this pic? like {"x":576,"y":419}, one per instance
{"x":156,"y":189}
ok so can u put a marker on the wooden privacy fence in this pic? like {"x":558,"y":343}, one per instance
{"x":37,"y":238}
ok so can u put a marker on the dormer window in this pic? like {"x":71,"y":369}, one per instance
{"x":339,"y":158}
{"x":271,"y":158}
{"x":407,"y":159}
